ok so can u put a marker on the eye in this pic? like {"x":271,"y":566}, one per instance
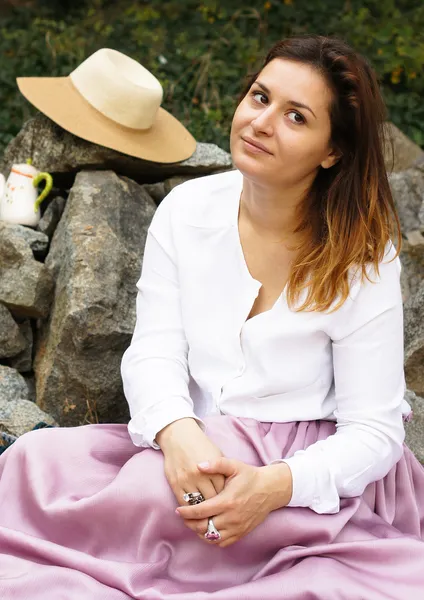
{"x":255,"y":93}
{"x":297,"y":114}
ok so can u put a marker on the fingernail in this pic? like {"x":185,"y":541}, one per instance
{"x":176,"y":512}
{"x":203,"y":465}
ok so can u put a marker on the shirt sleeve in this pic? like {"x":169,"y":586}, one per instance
{"x":367,"y":344}
{"x":154,"y":368}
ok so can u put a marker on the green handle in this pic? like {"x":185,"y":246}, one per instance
{"x":47,"y":189}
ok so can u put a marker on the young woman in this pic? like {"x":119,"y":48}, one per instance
{"x":265,"y":454}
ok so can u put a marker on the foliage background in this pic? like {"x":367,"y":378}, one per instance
{"x":201,"y":51}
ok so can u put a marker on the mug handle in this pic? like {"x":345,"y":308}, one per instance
{"x":47,"y":189}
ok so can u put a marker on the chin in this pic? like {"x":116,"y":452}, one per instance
{"x":248,"y":166}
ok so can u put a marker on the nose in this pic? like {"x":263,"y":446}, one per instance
{"x":263,"y":123}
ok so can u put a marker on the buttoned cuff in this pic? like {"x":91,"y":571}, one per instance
{"x":146,"y":424}
{"x":312,"y":484}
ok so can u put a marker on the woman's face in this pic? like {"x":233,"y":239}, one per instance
{"x":296,"y":138}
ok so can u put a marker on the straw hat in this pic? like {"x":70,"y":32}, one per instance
{"x":112,"y":100}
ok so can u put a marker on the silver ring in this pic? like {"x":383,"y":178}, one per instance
{"x":193,"y":498}
{"x":212,"y":533}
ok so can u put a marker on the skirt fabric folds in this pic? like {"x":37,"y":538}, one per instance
{"x":85,"y":515}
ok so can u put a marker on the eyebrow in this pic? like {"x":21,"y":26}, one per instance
{"x":292,"y":102}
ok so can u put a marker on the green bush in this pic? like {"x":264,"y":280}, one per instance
{"x":201,"y":51}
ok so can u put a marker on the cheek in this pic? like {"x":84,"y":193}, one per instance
{"x":238,"y":119}
{"x":303,"y":148}
{"x":239,"y":124}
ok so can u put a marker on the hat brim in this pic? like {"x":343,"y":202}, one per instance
{"x":167,"y":141}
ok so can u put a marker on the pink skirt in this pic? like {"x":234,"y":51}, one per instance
{"x":85,"y":515}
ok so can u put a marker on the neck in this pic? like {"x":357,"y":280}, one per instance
{"x":270,"y":212}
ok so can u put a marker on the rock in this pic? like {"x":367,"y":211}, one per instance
{"x":172,"y":182}
{"x":26,"y":285}
{"x":6,"y":440}
{"x":156,"y":191}
{"x":95,"y":257}
{"x":30,"y":381}
{"x":405,"y":151}
{"x":414,"y":341}
{"x":415,"y":238}
{"x":412,"y":273}
{"x":206,"y":159}
{"x":12,"y":385}
{"x":19,"y":416}
{"x":22,"y":362}
{"x":63,"y":155}
{"x":159,"y":190}
{"x":408,"y":193}
{"x":12,"y":341}
{"x":37,"y":241}
{"x":51,"y":216}
{"x":415,"y":428}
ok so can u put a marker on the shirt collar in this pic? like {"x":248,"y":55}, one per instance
{"x":220,"y":211}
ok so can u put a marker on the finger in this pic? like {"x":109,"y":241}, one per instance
{"x":202,"y":485}
{"x":177,"y":489}
{"x":218,"y":482}
{"x":225,"y":535}
{"x":204,"y":510}
{"x":224,"y":466}
{"x":199,"y":526}
{"x":228,"y":534}
{"x":224,"y":542}
{"x":206,"y":487}
{"x":219,"y":524}
{"x":212,"y":542}
{"x":178,"y":493}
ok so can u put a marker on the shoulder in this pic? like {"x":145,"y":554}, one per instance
{"x":205,"y":201}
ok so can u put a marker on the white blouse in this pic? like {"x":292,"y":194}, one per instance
{"x":193,"y":353}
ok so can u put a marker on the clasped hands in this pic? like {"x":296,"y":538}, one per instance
{"x":249,"y":495}
{"x":238,"y":496}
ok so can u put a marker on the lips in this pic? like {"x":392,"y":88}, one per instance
{"x":256,"y":144}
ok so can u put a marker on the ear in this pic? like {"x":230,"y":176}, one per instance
{"x":331,"y":159}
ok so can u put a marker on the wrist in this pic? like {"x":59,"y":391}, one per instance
{"x":174,"y":430}
{"x":280,"y":484}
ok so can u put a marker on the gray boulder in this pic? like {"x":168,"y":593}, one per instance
{"x":30,"y":381}
{"x":12,"y":342}
{"x":156,"y":191}
{"x":405,"y":151}
{"x":408,"y":193}
{"x":36,"y":240}
{"x":51,"y":216}
{"x":412,"y":260}
{"x":22,"y":362}
{"x":414,"y":341}
{"x":26,"y":285}
{"x":12,"y":385}
{"x":415,"y":428}
{"x":95,"y":258}
{"x":159,"y":190}
{"x":63,"y":155}
{"x":20,"y":416}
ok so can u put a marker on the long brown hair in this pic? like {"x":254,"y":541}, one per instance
{"x":348,"y":216}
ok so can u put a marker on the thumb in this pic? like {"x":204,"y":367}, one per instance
{"x":223,"y":466}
